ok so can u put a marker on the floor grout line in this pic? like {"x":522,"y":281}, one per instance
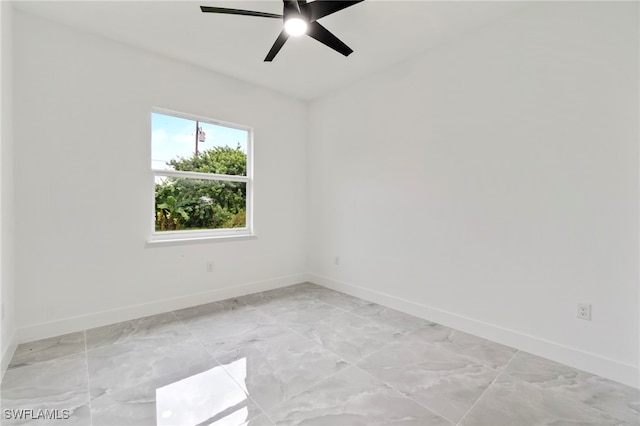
{"x":467,"y":358}
{"x":265,"y":412}
{"x":215,"y":359}
{"x":86,"y":358}
{"x":355,"y":363}
{"x":338,"y":355}
{"x":488,"y":387}
{"x":567,"y":398}
{"x":262,"y":410}
{"x":322,"y":380}
{"x":286,"y":326}
{"x":403,"y":394}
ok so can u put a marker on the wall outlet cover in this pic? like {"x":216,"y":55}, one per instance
{"x":584,"y":311}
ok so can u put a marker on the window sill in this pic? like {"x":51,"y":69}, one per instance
{"x":199,"y":240}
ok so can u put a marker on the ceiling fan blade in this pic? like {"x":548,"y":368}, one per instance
{"x":321,"y":8}
{"x":209,"y":9}
{"x":277,"y":46}
{"x":325,"y":37}
{"x":291,"y":5}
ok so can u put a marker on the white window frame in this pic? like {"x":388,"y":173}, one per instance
{"x":205,"y":234}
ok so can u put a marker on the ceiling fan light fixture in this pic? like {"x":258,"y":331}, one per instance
{"x":295,"y":26}
{"x":299,"y":17}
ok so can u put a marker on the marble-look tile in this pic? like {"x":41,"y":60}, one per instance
{"x":485,"y":352}
{"x":123,"y":331}
{"x":294,"y":292}
{"x":212,"y":311}
{"x":58,"y":384}
{"x":353,"y":397}
{"x":349,"y":336}
{"x":404,"y":323}
{"x":304,"y":287}
{"x":511,"y":401}
{"x":48,"y":349}
{"x":243,"y":335}
{"x":340,"y":300}
{"x":136,"y":361}
{"x":262,"y":420}
{"x":442,"y":381}
{"x":136,"y":406}
{"x":128,"y":407}
{"x":326,"y":295}
{"x":75,"y":416}
{"x":606,"y":395}
{"x":233,"y":329}
{"x":292,"y":312}
{"x":273,"y":370}
{"x":308,"y":294}
{"x":198,"y":394}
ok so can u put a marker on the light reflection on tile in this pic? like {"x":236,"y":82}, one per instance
{"x":136,"y":406}
{"x":128,"y":364}
{"x":274,"y":370}
{"x":173,"y":398}
{"x":211,"y":397}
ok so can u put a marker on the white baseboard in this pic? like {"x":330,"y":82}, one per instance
{"x":590,"y":362}
{"x":593,"y":363}
{"x":8,"y":354}
{"x":79,"y":323}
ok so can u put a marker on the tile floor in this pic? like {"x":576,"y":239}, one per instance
{"x":300,"y":355}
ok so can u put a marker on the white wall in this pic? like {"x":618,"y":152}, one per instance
{"x":7,"y":267}
{"x":84,"y":186}
{"x":492,"y":184}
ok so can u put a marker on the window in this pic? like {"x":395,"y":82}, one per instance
{"x":202,"y":171}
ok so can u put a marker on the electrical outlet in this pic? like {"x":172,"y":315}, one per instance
{"x":584,"y":311}
{"x":210,"y":266}
{"x":336,"y":260}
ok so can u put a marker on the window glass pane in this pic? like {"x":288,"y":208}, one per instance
{"x":184,"y":204}
{"x":196,"y":146}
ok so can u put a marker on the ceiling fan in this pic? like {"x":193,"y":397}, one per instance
{"x":299,"y":17}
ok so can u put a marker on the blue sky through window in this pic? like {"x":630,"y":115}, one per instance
{"x":173,"y":137}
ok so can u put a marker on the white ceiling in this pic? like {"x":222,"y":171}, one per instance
{"x":381,"y":33}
